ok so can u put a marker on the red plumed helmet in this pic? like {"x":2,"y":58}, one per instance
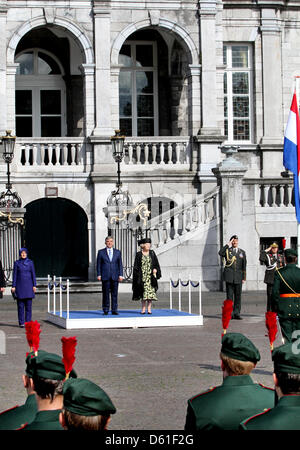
{"x":271,"y":324}
{"x":33,"y":331}
{"x":227,"y":309}
{"x":68,"y":351}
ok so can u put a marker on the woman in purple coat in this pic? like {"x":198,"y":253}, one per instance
{"x":24,"y":286}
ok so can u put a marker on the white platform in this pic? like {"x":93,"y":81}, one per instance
{"x":125,"y":319}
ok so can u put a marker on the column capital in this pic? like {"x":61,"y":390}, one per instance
{"x":269,"y":21}
{"x":207,"y":8}
{"x":11,"y":69}
{"x":3,"y":7}
{"x":195,"y":69}
{"x":87,"y":69}
{"x":101,"y":13}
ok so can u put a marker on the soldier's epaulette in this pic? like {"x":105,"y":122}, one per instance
{"x":256,"y":415}
{"x":205,"y":392}
{"x":24,"y":425}
{"x":266,"y":387}
{"x":10,"y":409}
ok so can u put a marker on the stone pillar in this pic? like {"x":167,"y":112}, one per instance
{"x":3,"y":12}
{"x":103,"y":81}
{"x":11,"y":96}
{"x":115,"y":116}
{"x":194,"y":99}
{"x":207,"y":23}
{"x":88,"y":73}
{"x":230,"y":174}
{"x":92,"y":255}
{"x":272,"y":104}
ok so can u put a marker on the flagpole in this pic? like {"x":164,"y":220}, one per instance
{"x":298,"y":244}
{"x":295,"y":92}
{"x":296,"y":89}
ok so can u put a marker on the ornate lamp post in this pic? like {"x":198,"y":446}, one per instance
{"x":126,"y":222}
{"x":118,"y":197}
{"x":9,"y":199}
{"x":117,"y":142}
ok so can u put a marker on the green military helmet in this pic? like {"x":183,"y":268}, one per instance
{"x":47,"y":365}
{"x":86,"y":398}
{"x":286,"y":358}
{"x":29,"y":359}
{"x":237,"y":346}
{"x":290,"y":252}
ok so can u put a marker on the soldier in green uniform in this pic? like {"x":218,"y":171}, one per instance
{"x":16,"y":417}
{"x":286,"y":295}
{"x":86,"y":406}
{"x":285,"y":415}
{"x":234,"y":273}
{"x":272,"y":260}
{"x":48,"y":376}
{"x":224,"y":407}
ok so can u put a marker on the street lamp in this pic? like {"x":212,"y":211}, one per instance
{"x":8,"y":198}
{"x":117,"y":142}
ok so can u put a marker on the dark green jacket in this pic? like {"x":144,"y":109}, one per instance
{"x":286,"y":307}
{"x":284,"y":416}
{"x":16,"y":417}
{"x":224,"y":407}
{"x":45,"y":420}
{"x":234,"y":272}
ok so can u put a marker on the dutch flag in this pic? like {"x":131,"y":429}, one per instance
{"x":291,"y":150}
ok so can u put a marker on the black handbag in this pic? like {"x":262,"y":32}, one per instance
{"x":13,"y":294}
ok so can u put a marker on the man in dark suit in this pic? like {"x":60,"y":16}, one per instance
{"x":272,"y":259}
{"x":110,"y":272}
{"x":234,"y":273}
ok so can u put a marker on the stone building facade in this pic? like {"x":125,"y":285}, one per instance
{"x":183,"y":80}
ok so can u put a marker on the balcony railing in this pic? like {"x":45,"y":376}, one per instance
{"x":273,"y":193}
{"x":163,"y":151}
{"x":33,"y":152}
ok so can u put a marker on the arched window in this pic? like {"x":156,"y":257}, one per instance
{"x":40,"y":95}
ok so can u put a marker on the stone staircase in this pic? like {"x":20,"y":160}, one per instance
{"x":180,"y":224}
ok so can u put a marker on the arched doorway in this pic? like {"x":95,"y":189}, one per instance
{"x":56,"y":236}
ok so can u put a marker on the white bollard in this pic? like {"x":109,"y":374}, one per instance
{"x":179,"y":293}
{"x":200,"y":299}
{"x":54,"y":294}
{"x":60,"y":297}
{"x":171,"y":300}
{"x":48,"y":293}
{"x":68,"y":299}
{"x":190,"y":300}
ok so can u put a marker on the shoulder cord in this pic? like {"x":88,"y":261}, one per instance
{"x":285,"y":281}
{"x":270,"y":266}
{"x":228,"y":260}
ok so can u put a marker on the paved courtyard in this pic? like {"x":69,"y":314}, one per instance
{"x":148,"y":372}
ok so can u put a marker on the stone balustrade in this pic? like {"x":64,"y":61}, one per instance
{"x":50,"y":151}
{"x":157,"y":150}
{"x":273,"y":193}
{"x":181,"y":220}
